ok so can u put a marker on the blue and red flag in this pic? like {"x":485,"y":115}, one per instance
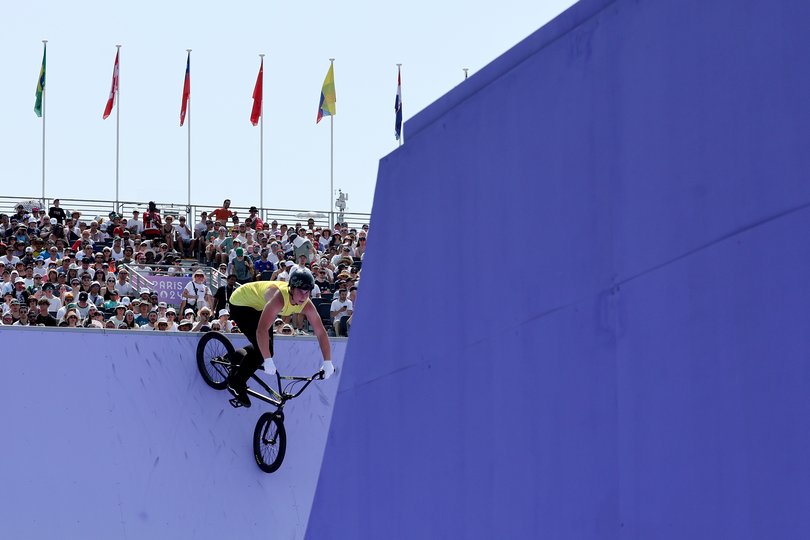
{"x":398,"y":108}
{"x":186,"y":90}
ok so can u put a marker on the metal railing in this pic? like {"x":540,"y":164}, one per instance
{"x":97,"y":208}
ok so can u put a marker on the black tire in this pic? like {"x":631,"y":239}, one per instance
{"x":269,"y":442}
{"x":214,"y":345}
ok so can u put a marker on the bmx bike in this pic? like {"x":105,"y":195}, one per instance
{"x":215,"y":359}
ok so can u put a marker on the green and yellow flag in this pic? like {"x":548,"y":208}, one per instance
{"x":40,"y":85}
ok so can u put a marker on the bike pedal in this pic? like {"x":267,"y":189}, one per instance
{"x":235,"y":403}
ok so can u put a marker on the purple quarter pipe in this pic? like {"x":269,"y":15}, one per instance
{"x":111,"y":434}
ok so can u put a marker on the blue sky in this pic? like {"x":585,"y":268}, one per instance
{"x":432,"y":40}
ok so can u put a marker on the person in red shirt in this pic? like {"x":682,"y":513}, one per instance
{"x":151,"y":221}
{"x":223,"y":214}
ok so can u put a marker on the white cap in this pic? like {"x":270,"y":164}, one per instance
{"x":223,"y":312}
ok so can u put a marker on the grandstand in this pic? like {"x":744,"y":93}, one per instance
{"x":126,"y":265}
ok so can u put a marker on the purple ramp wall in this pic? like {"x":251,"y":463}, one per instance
{"x":599,"y":328}
{"x":112,"y":434}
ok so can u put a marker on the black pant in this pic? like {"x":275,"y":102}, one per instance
{"x":247,"y":319}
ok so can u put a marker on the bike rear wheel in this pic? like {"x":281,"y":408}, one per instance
{"x":214,"y":353}
{"x":269,"y":442}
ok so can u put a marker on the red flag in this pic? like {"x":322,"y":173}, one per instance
{"x":186,"y":90}
{"x":113,"y":90}
{"x":257,"y":96}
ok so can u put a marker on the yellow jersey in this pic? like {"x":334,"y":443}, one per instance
{"x":253,"y":295}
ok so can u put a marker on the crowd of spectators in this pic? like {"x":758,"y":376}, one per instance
{"x":62,"y":269}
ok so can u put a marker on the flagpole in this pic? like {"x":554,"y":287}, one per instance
{"x":261,"y":145}
{"x":331,"y":161}
{"x":188,"y":114}
{"x":45,"y":45}
{"x":117,"y":122}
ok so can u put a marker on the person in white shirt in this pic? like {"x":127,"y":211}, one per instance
{"x":117,"y":252}
{"x":171,"y":319}
{"x":225,"y":323}
{"x":134,"y":224}
{"x":196,"y":293}
{"x":118,"y":318}
{"x":185,"y":240}
{"x":123,"y":286}
{"x":340,"y":310}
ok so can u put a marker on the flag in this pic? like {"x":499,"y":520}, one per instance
{"x":40,"y":84}
{"x":113,"y":90}
{"x":186,"y":90}
{"x":257,"y":96}
{"x":398,"y":108}
{"x":328,"y":99}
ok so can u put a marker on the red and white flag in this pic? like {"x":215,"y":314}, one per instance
{"x":113,"y":90}
{"x":186,"y":90}
{"x":257,"y":96}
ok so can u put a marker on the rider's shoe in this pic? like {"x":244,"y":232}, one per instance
{"x":240,"y":393}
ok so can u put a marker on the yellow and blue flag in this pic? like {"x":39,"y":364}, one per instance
{"x":328,"y":99}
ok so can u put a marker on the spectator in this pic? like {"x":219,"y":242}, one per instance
{"x":43,"y":316}
{"x":109,"y":288}
{"x":341,"y":310}
{"x":204,"y":322}
{"x":72,"y":319}
{"x":14,"y":309}
{"x":224,"y":321}
{"x":171,"y":317}
{"x":242,"y":267}
{"x":213,"y":251}
{"x":196,"y":294}
{"x":153,"y":319}
{"x":223,"y":214}
{"x":57,"y":213}
{"x":169,"y":233}
{"x":163,"y":325}
{"x":129,"y":320}
{"x":94,"y":292}
{"x":185,"y":240}
{"x":185,"y":325}
{"x":264,"y":264}
{"x":283,"y":271}
{"x":118,"y":318}
{"x":113,"y":301}
{"x":223,"y":295}
{"x":23,"y":320}
{"x":117,"y":251}
{"x":152,"y":222}
{"x":123,"y":286}
{"x":143,"y":313}
{"x":322,"y":280}
{"x":134,"y":224}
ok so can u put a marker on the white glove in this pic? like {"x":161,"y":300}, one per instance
{"x":269,"y":366}
{"x":327,"y":369}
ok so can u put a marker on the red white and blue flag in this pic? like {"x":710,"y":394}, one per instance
{"x":113,"y":90}
{"x":186,"y":90}
{"x":398,"y":108}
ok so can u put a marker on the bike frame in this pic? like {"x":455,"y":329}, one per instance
{"x":280,"y":397}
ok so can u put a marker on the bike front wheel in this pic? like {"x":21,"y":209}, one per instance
{"x":214,"y":353}
{"x":269,"y":442}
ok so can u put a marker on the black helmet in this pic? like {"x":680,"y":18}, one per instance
{"x":302,"y":280}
